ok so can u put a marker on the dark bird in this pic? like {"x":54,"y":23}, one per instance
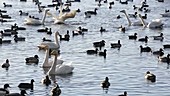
{"x":151,"y":77}
{"x":7,"y":5}
{"x":103,"y":53}
{"x":6,"y":64}
{"x":56,"y":91}
{"x":92,"y":12}
{"x":124,"y":94}
{"x":4,"y":90}
{"x":133,"y":37}
{"x":105,"y":84}
{"x":99,"y":44}
{"x":145,"y":49}
{"x":46,"y":80}
{"x":92,"y":51}
{"x":27,"y":85}
{"x":144,"y":39}
{"x":116,"y":45}
{"x":34,"y":59}
{"x":159,"y":52}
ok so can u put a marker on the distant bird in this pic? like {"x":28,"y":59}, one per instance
{"x":145,"y":49}
{"x":102,"y":30}
{"x":133,"y":37}
{"x":16,"y":38}
{"x":56,"y":91}
{"x":6,"y":64}
{"x":7,"y":5}
{"x":46,"y":80}
{"x":105,"y":84}
{"x":23,"y":13}
{"x":22,"y":93}
{"x":124,"y":94}
{"x":116,"y":45}
{"x":160,"y":37}
{"x":92,"y":12}
{"x":144,"y":39}
{"x":99,"y":44}
{"x":166,"y":46}
{"x":4,"y":90}
{"x":103,"y":53}
{"x":92,"y":51}
{"x":165,"y":59}
{"x":34,"y":59}
{"x":45,"y":39}
{"x":27,"y":85}
{"x":159,"y":52}
{"x":150,"y":76}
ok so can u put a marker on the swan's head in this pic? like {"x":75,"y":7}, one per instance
{"x":54,"y":52}
{"x":46,"y":10}
{"x":123,"y":11}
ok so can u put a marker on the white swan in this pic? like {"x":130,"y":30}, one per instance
{"x":47,"y":63}
{"x":154,"y":24}
{"x":59,"y":69}
{"x":63,"y":16}
{"x":51,"y":45}
{"x":32,"y":21}
{"x":166,"y":14}
{"x":136,"y":23}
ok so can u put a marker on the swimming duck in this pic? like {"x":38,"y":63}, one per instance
{"x":165,"y":59}
{"x":159,"y":52}
{"x":143,"y":39}
{"x":56,"y":91}
{"x":6,"y":64}
{"x":103,"y":53}
{"x":105,"y":84}
{"x":45,"y":39}
{"x":116,"y":45}
{"x":27,"y":85}
{"x":166,"y":46}
{"x":160,"y":37}
{"x":150,"y":76}
{"x":92,"y":51}
{"x":7,"y":5}
{"x":34,"y":59}
{"x":23,"y":13}
{"x":46,"y":80}
{"x":145,"y":49}
{"x":16,"y":38}
{"x":4,"y":90}
{"x":99,"y":44}
{"x":133,"y":37}
{"x":92,"y":12}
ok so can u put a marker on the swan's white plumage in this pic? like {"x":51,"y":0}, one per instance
{"x":59,"y":69}
{"x":32,"y":21}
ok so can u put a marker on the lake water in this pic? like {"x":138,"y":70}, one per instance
{"x":125,"y":67}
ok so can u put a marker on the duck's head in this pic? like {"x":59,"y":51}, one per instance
{"x":54,"y":52}
{"x":36,"y":56}
{"x":6,"y":86}
{"x":32,"y":80}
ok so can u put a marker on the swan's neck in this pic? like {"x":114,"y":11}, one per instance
{"x":56,"y":40}
{"x":45,"y":64}
{"x":128,"y":19}
{"x":143,"y":22}
{"x":61,"y":12}
{"x":53,"y":67}
{"x":45,"y":14}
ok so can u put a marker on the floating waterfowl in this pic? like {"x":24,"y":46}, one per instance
{"x":133,"y":37}
{"x":90,"y":52}
{"x":27,"y":85}
{"x":59,"y":69}
{"x":56,"y":91}
{"x":6,"y":64}
{"x":124,"y":94}
{"x":116,"y":45}
{"x":145,"y":49}
{"x":105,"y":84}
{"x":34,"y":59}
{"x":46,"y":81}
{"x":4,"y":90}
{"x":151,"y":77}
